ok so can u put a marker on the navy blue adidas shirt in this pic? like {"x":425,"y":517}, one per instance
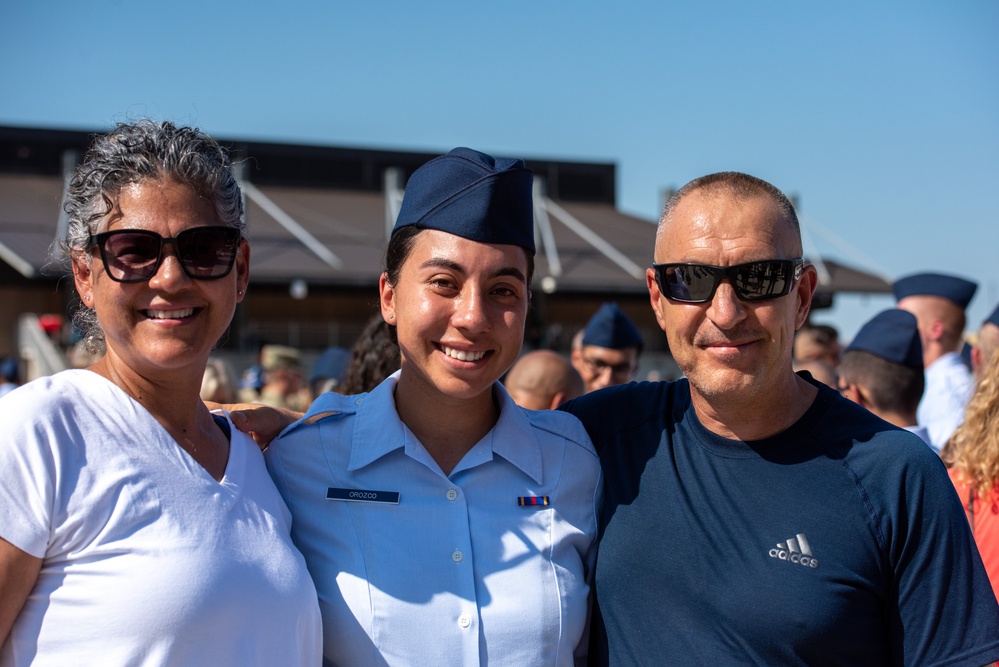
{"x":840,"y":541}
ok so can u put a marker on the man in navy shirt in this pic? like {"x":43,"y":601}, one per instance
{"x":751,"y":515}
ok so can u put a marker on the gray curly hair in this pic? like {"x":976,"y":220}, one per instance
{"x":131,"y":153}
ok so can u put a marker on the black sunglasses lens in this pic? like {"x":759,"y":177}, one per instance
{"x":131,"y":256}
{"x":208,"y":252}
{"x":753,"y":281}
{"x":205,"y":253}
{"x":758,"y":281}
{"x":690,"y":282}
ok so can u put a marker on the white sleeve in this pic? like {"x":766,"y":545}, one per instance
{"x":28,"y":471}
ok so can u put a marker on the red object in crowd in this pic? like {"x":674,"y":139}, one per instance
{"x":51,"y":324}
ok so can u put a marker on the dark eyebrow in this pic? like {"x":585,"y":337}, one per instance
{"x":437,"y":262}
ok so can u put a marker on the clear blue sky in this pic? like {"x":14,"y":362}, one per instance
{"x":882,"y":117}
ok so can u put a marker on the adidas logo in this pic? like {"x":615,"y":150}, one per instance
{"x":796,"y":550}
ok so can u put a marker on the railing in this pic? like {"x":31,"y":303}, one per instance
{"x":41,"y":356}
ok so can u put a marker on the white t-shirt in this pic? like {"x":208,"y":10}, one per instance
{"x":147,"y":560}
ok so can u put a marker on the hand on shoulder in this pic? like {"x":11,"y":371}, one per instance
{"x":259,"y":421}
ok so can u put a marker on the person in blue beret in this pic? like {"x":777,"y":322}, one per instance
{"x":607,"y":352}
{"x":986,"y":343}
{"x":938,"y":301}
{"x":442,"y":523}
{"x":882,"y":369}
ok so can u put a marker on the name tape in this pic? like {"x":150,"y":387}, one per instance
{"x":363,"y":496}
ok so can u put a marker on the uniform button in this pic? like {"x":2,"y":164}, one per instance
{"x":457,"y":556}
{"x":452,"y":495}
{"x":358,"y":401}
{"x":464,"y":621}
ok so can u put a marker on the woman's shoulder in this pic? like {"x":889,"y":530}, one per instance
{"x":324,"y":408}
{"x":64,"y":390}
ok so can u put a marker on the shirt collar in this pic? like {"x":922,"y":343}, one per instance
{"x":514,"y":437}
{"x":942,"y":364}
{"x":377,"y":427}
{"x":379,"y":431}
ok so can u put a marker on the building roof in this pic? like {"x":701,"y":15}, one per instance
{"x":321,"y":214}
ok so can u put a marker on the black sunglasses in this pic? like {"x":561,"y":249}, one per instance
{"x":752,"y":281}
{"x":135,"y":255}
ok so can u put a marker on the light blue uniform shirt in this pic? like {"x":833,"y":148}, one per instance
{"x":464,"y":569}
{"x":949,"y":385}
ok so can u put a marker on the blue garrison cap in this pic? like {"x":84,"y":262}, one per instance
{"x":472,"y":195}
{"x":994,"y":317}
{"x":332,"y":364}
{"x":891,"y":334}
{"x":951,"y":288}
{"x":611,"y":328}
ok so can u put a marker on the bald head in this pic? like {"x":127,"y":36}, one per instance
{"x":542,"y":380}
{"x":741,"y":187}
{"x":819,"y":370}
{"x":986,"y":345}
{"x":940,"y":321}
{"x":817,"y":342}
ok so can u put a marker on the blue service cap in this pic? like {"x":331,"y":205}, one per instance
{"x":331,"y":364}
{"x":951,"y":288}
{"x":611,"y":328}
{"x":994,"y":317}
{"x":472,"y":195}
{"x":892,"y":335}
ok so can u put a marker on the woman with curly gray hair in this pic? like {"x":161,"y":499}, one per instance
{"x":137,"y":527}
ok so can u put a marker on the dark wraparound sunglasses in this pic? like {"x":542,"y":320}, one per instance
{"x":134,"y":255}
{"x":752,"y":281}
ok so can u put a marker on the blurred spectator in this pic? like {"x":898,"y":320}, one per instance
{"x":543,"y":380}
{"x":252,"y":380}
{"x":972,"y":454}
{"x":969,"y":345}
{"x":329,"y":370}
{"x":607,"y":353}
{"x":10,"y":375}
{"x":818,"y":342}
{"x":284,"y":380}
{"x":251,"y":383}
{"x":882,"y":369}
{"x":373,"y":358}
{"x":818,"y":369}
{"x":219,"y":382}
{"x":81,"y":356}
{"x":938,"y":301}
{"x":986,"y":343}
